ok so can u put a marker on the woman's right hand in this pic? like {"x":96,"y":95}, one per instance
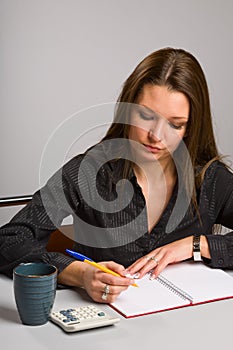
{"x":94,"y":280}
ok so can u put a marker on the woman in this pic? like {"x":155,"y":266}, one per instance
{"x":176,"y":187}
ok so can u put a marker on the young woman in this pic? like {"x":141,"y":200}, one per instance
{"x":161,"y":187}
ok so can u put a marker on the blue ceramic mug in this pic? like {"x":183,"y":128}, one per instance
{"x":35,"y":289}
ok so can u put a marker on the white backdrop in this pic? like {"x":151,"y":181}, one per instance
{"x":61,"y":56}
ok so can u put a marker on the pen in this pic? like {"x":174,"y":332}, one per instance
{"x":91,"y":262}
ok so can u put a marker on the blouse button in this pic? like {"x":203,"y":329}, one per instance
{"x":220,"y":261}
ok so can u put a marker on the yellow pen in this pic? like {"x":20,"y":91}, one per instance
{"x":91,"y":262}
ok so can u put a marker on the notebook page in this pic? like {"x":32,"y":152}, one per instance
{"x":151,"y":296}
{"x":200,"y":281}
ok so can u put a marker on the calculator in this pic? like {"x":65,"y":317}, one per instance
{"x":76,"y":319}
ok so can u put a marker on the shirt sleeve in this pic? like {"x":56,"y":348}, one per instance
{"x":221,"y":245}
{"x":25,"y":237}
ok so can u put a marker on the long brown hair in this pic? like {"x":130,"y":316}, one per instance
{"x":179,"y":71}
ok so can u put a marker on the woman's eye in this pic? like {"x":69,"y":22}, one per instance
{"x":174,"y":126}
{"x":145,"y":116}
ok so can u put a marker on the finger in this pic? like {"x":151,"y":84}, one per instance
{"x":102,"y":297}
{"x":106,"y":298}
{"x":112,"y":265}
{"x":110,"y":293}
{"x":138,"y":265}
{"x":145,"y":264}
{"x":160,"y":267}
{"x":107,"y":278}
{"x":152,"y":264}
{"x":102,"y":289}
{"x":114,"y":290}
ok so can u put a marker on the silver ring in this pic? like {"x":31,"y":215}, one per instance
{"x":104,"y":296}
{"x":154,"y":259}
{"x":147,"y":257}
{"x":106,"y":289}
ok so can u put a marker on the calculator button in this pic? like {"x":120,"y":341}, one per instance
{"x":101,"y":314}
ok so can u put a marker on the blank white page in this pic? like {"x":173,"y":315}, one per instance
{"x":202,"y":282}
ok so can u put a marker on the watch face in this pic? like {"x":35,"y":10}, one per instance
{"x":197,"y":256}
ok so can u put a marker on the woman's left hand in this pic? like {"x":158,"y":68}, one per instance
{"x":159,"y":258}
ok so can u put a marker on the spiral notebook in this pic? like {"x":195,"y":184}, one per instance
{"x":179,"y":285}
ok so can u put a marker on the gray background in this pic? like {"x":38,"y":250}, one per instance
{"x":61,"y":56}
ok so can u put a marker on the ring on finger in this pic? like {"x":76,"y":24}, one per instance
{"x":154,"y":259}
{"x":104,"y":296}
{"x":106,"y":289}
{"x":147,"y":257}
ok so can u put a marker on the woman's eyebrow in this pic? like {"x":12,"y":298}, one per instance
{"x":146,"y":109}
{"x":179,"y":117}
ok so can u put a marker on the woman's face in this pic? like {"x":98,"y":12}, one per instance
{"x":158,"y":122}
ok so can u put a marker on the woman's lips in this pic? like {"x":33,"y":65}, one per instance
{"x":153,"y":149}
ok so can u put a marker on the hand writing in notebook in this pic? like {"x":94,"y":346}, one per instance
{"x":170,"y":253}
{"x":101,"y":286}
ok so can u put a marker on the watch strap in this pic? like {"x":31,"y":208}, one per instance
{"x":196,"y":248}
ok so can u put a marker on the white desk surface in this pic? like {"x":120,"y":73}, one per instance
{"x":205,"y":326}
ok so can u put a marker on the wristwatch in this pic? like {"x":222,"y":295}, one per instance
{"x":196,"y":248}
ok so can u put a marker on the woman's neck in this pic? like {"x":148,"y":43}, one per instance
{"x":155,"y":171}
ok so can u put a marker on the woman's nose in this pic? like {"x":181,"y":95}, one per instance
{"x":153,"y":137}
{"x":156,"y":131}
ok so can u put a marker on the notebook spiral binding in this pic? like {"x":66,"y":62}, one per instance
{"x":172,"y":287}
